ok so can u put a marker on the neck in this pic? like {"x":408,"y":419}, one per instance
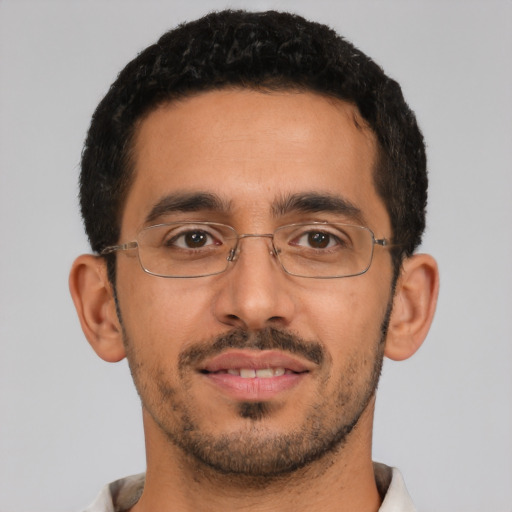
{"x":342,"y":480}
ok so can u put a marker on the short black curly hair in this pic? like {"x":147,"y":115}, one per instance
{"x":257,"y":50}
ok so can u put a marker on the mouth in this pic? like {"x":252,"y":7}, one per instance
{"x":254,"y":375}
{"x":259,"y":373}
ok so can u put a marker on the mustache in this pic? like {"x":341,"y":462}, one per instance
{"x":269,"y":338}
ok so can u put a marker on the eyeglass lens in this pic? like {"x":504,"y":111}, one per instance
{"x":307,"y":250}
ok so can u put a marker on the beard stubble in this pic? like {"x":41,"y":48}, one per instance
{"x":254,"y":451}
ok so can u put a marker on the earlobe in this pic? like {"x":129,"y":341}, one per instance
{"x":414,"y":305}
{"x":94,"y":302}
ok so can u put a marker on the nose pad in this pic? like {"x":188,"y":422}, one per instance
{"x":232,"y":254}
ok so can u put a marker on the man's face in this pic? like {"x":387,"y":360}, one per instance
{"x":254,"y":370}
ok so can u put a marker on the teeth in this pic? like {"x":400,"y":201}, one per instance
{"x":265,"y":373}
{"x":262,"y":373}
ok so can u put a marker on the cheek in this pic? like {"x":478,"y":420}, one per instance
{"x":347,"y":315}
{"x":163,"y":313}
{"x":338,"y":305}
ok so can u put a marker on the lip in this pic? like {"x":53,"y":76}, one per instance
{"x":255,"y":359}
{"x":254,"y":389}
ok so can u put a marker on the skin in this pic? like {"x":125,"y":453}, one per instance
{"x":251,"y":149}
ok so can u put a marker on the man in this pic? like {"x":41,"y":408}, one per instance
{"x":254,"y":188}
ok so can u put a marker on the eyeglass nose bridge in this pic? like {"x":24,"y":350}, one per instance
{"x":233,"y":253}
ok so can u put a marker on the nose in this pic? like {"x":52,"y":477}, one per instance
{"x":255,"y":292}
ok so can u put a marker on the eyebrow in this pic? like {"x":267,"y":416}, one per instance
{"x":309,"y":202}
{"x":187,"y":202}
{"x":314,"y":202}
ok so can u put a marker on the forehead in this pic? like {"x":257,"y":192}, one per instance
{"x":252,"y":149}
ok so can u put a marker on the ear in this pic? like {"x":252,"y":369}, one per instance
{"x":414,"y":305}
{"x":94,"y":301}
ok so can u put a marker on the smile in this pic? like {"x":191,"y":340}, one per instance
{"x":251,"y":373}
{"x":254,"y":375}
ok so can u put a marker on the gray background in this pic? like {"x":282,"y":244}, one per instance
{"x":70,"y":422}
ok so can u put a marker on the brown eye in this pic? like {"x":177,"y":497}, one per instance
{"x":319,"y":240}
{"x":195,"y":239}
{"x":316,"y":240}
{"x":192,"y":239}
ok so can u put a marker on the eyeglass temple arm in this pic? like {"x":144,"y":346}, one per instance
{"x":123,"y":247}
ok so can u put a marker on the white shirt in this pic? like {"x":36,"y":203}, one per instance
{"x":123,"y":494}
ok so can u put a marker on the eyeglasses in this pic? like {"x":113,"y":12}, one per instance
{"x":198,"y":249}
